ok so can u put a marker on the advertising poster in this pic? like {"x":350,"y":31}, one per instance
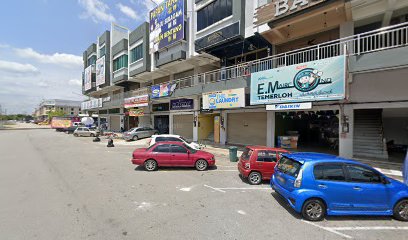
{"x":100,"y":71}
{"x":163,"y":90}
{"x":166,"y":24}
{"x":88,"y":78}
{"x":138,"y":101}
{"x":181,"y":104}
{"x":320,"y":80}
{"x":233,"y":98}
{"x":137,"y":112}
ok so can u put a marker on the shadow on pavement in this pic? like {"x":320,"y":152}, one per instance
{"x":285,"y":205}
{"x":175,"y":169}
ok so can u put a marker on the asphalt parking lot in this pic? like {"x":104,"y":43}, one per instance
{"x":56,"y":186}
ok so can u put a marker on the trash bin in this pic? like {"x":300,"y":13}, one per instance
{"x":233,"y":154}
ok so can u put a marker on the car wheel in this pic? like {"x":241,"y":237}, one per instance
{"x":150,"y":165}
{"x":75,"y":134}
{"x":313,"y":210}
{"x":92,"y":135}
{"x":401,"y":210}
{"x":135,"y":138}
{"x":201,"y":165}
{"x":254,"y":178}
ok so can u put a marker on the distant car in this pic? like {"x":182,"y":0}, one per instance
{"x":173,"y":138}
{"x":86,"y":132}
{"x":257,"y":163}
{"x":172,"y":154}
{"x":70,"y":130}
{"x":316,"y":185}
{"x":139,"y":133}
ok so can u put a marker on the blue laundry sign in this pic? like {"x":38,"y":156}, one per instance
{"x":319,"y":80}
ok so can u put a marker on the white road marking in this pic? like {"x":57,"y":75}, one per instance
{"x":241,"y":212}
{"x":186,"y":189}
{"x":368,"y":228}
{"x":213,"y":188}
{"x":328,"y":229}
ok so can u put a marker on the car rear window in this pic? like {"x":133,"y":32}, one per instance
{"x":246,"y":154}
{"x":289,"y":166}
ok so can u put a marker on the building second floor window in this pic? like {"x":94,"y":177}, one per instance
{"x":102,"y":51}
{"x":91,"y":60}
{"x":136,"y":53}
{"x":120,"y":62}
{"x":213,"y":12}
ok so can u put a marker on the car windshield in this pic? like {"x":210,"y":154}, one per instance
{"x":289,"y":166}
{"x":246,"y":154}
{"x":185,"y":140}
{"x":189,"y":148}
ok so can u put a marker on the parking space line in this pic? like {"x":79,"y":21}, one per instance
{"x":367,"y":228}
{"x":213,"y":188}
{"x":328,"y":229}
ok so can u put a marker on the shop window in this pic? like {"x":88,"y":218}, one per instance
{"x":120,"y":62}
{"x":102,"y":51}
{"x":136,"y":53}
{"x":213,"y":13}
{"x":114,"y":110}
{"x":160,"y":107}
{"x":91,"y":60}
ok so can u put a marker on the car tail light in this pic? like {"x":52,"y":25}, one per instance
{"x":298,"y":181}
{"x":247,"y":165}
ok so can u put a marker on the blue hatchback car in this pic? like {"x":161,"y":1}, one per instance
{"x":317,"y":184}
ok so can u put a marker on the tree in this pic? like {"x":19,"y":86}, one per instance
{"x":55,"y":113}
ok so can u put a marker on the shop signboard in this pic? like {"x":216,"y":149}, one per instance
{"x":163,"y":90}
{"x":233,"y":98}
{"x":289,"y":106}
{"x":136,"y":112}
{"x":94,"y":103}
{"x":100,"y":71}
{"x":166,"y":24}
{"x":181,"y":104}
{"x":320,"y":80}
{"x":138,"y":101}
{"x":88,"y":78}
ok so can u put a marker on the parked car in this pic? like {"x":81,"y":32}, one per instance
{"x":70,"y":130}
{"x":172,"y":154}
{"x":86,"y":132}
{"x":257,"y":163}
{"x":316,"y":185}
{"x":138,"y":133}
{"x":173,"y":138}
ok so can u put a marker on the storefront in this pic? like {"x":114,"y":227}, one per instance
{"x":161,"y":117}
{"x":182,"y":112}
{"x":247,"y":127}
{"x":135,"y":108}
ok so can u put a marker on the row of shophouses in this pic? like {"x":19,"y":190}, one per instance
{"x":314,"y":75}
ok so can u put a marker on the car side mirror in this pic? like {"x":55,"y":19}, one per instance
{"x":384,"y":180}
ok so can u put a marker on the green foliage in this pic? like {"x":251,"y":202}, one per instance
{"x":55,"y":113}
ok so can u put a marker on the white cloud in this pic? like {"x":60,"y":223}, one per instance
{"x":127,"y":11}
{"x":16,"y":68}
{"x":75,"y":82}
{"x":63,"y":59}
{"x":96,"y":10}
{"x":145,"y":6}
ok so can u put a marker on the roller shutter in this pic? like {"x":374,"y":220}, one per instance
{"x":246,"y":128}
{"x":183,"y":125}
{"x":115,"y":123}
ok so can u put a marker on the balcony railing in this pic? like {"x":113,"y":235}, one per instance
{"x":377,"y":40}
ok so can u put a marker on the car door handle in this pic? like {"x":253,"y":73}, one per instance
{"x":322,"y":186}
{"x":357,"y":188}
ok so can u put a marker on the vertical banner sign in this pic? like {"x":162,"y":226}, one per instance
{"x":163,"y":90}
{"x":166,"y":24}
{"x":100,"y":71}
{"x":233,"y":98}
{"x":320,"y":80}
{"x":88,"y":78}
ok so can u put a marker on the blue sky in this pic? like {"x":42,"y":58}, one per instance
{"x":42,"y":41}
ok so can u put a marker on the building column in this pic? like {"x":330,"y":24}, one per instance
{"x":270,"y":128}
{"x":223,"y":128}
{"x":346,"y":133}
{"x":195,"y":127}
{"x":170,"y":123}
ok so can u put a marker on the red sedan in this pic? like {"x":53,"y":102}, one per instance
{"x":257,"y":163}
{"x":172,"y":154}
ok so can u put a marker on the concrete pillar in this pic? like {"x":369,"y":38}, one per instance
{"x":346,"y":29}
{"x":223,"y":129}
{"x":171,"y":123}
{"x":270,"y":129}
{"x":346,"y":138}
{"x":195,"y":127}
